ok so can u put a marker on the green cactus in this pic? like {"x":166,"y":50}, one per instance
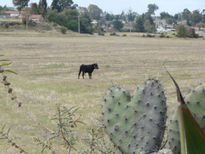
{"x":137,"y":124}
{"x":195,"y":101}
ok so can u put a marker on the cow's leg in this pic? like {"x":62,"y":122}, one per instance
{"x":83,"y":74}
{"x":79,"y":73}
{"x":90,"y":75}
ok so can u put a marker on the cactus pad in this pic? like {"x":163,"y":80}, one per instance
{"x":195,"y":101}
{"x":137,"y":124}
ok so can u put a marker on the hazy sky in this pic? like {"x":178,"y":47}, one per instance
{"x":139,"y":6}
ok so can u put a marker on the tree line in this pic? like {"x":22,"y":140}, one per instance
{"x":69,"y":15}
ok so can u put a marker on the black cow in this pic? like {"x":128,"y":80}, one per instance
{"x":87,"y":69}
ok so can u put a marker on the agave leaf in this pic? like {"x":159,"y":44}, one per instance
{"x":4,"y":60}
{"x":192,"y":138}
{"x":5,"y":64}
{"x":10,"y":70}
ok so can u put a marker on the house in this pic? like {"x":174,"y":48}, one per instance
{"x":35,"y":17}
{"x":94,"y":22}
{"x":162,"y":26}
{"x":11,"y":14}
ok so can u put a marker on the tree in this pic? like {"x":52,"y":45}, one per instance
{"x":20,"y":4}
{"x":69,"y":19}
{"x":149,"y":25}
{"x":196,"y":17}
{"x":85,"y":20}
{"x":60,"y":5}
{"x":152,"y":8}
{"x":109,"y":17}
{"x":139,"y":26}
{"x":94,"y":11}
{"x":186,"y":15}
{"x":34,"y":8}
{"x":1,"y":8}
{"x":165,"y":15}
{"x":169,"y":18}
{"x":118,"y":25}
{"x":42,"y":7}
{"x":131,"y":16}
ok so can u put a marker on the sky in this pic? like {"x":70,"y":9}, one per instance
{"x":139,"y":6}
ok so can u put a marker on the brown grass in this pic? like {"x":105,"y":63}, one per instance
{"x":48,"y":63}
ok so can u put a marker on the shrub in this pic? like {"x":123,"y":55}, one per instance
{"x":150,"y":35}
{"x":182,"y":31}
{"x":5,"y":24}
{"x":63,"y":30}
{"x":113,"y":34}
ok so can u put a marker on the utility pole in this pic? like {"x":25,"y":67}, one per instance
{"x":27,"y":20}
{"x":78,"y":24}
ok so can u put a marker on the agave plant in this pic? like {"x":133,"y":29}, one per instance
{"x":192,"y":137}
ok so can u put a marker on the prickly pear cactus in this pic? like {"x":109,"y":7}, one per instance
{"x":195,"y":101}
{"x":136,"y":125}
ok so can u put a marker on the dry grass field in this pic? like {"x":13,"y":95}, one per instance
{"x":48,"y":64}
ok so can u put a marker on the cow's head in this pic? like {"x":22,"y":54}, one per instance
{"x":95,"y":66}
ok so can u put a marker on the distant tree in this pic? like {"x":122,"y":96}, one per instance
{"x":203,"y":15}
{"x":152,"y":8}
{"x":186,"y":15}
{"x":145,"y":23}
{"x":149,"y":25}
{"x":85,"y":20}
{"x":123,"y":16}
{"x":42,"y":6}
{"x":165,"y":15}
{"x":118,"y":24}
{"x":169,"y":18}
{"x":69,"y":19}
{"x":86,"y":26}
{"x":55,"y":5}
{"x":94,"y":11}
{"x":60,"y":5}
{"x":131,"y":15}
{"x":139,"y":26}
{"x":109,"y":17}
{"x":177,"y":16}
{"x":20,"y":4}
{"x":1,"y":8}
{"x":196,"y":17}
{"x":34,"y":8}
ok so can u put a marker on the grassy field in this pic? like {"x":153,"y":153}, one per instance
{"x":48,"y":64}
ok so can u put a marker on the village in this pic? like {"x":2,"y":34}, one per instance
{"x":105,"y":22}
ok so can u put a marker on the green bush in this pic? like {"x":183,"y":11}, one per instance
{"x":182,"y":31}
{"x":5,"y":24}
{"x":69,"y":19}
{"x":113,"y":34}
{"x":63,"y":30}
